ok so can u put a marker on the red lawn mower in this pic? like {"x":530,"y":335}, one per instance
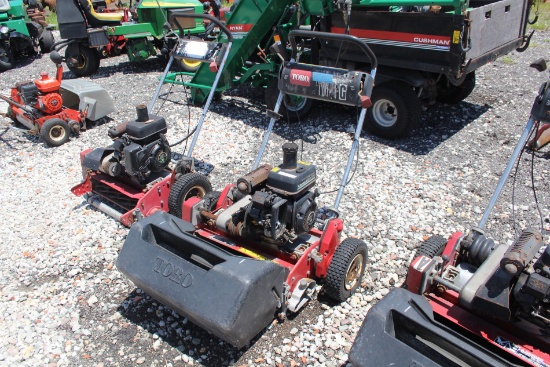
{"x":468,"y":300}
{"x":233,"y":260}
{"x":134,"y":177}
{"x":55,"y":108}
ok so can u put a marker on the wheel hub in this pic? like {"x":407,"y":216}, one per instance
{"x":354,"y":272}
{"x":384,"y":112}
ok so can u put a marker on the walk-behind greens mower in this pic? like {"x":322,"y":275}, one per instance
{"x":236,"y":259}
{"x":134,"y":177}
{"x":55,"y":108}
{"x":469,"y":301}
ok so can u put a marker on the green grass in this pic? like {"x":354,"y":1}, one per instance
{"x":51,"y":18}
{"x":543,"y":23}
{"x":507,"y":60}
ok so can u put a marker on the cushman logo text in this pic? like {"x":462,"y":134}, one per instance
{"x":432,"y":41}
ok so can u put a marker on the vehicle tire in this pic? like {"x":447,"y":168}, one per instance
{"x":452,"y":94}
{"x":6,"y":58}
{"x":395,"y":110}
{"x":432,"y":247}
{"x":55,"y":132}
{"x":189,"y":66}
{"x":10,"y":114}
{"x":87,"y":59}
{"x":46,"y":41}
{"x":293,"y":108}
{"x":187,"y":186}
{"x":346,"y":269}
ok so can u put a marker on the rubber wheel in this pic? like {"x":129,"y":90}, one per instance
{"x":46,"y":41}
{"x":432,"y":247}
{"x":55,"y":132}
{"x":293,"y":108}
{"x":6,"y":58}
{"x":187,"y":186}
{"x":346,"y":269}
{"x":90,"y":60}
{"x":10,"y":114}
{"x":210,"y":200}
{"x":395,"y":110}
{"x":452,"y":94}
{"x":188,"y":65}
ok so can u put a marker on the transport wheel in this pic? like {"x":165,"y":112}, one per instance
{"x":293,"y":108}
{"x":210,"y":200}
{"x":395,"y":110}
{"x":82,"y":60}
{"x":55,"y":132}
{"x":187,"y":186}
{"x":452,"y":94}
{"x":432,"y":247}
{"x":46,"y":41}
{"x":6,"y":58}
{"x":9,"y":113}
{"x":346,"y":269}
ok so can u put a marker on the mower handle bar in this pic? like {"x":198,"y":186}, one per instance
{"x":180,"y":14}
{"x":332,"y":36}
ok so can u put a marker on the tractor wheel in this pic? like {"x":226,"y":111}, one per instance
{"x":395,"y":110}
{"x":189,"y":66}
{"x":293,"y":108}
{"x":46,"y":41}
{"x":346,"y":269}
{"x":6,"y":58}
{"x":432,"y":247}
{"x":84,"y":59}
{"x":452,"y":94}
{"x":187,"y":186}
{"x":210,"y":200}
{"x":55,"y":132}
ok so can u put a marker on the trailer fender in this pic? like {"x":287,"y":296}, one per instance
{"x":87,"y":97}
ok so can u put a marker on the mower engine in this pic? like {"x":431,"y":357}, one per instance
{"x":139,"y":148}
{"x":42,"y":94}
{"x":274,"y":204}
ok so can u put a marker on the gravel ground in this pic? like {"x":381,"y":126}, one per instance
{"x":63,"y":302}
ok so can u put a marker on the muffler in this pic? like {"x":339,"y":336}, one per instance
{"x":231,"y":296}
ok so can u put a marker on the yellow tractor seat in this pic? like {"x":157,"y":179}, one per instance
{"x":96,"y":19}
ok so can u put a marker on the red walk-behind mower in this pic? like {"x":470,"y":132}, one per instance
{"x":236,"y":259}
{"x":468,"y":300}
{"x":55,"y":108}
{"x":134,"y":177}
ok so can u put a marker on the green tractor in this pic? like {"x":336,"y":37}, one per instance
{"x":19,"y":35}
{"x":141,"y":31}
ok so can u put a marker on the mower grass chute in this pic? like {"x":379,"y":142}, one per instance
{"x":54,"y":108}
{"x":483,"y":303}
{"x":240,"y":257}
{"x":134,"y":177}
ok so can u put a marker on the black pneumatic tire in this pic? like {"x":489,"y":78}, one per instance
{"x":46,"y":41}
{"x":187,"y":186}
{"x":290,"y":112}
{"x":346,"y":269}
{"x":432,"y":247}
{"x":90,"y":60}
{"x":55,"y":132}
{"x":395,"y":110}
{"x":452,"y":94}
{"x":6,"y":58}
